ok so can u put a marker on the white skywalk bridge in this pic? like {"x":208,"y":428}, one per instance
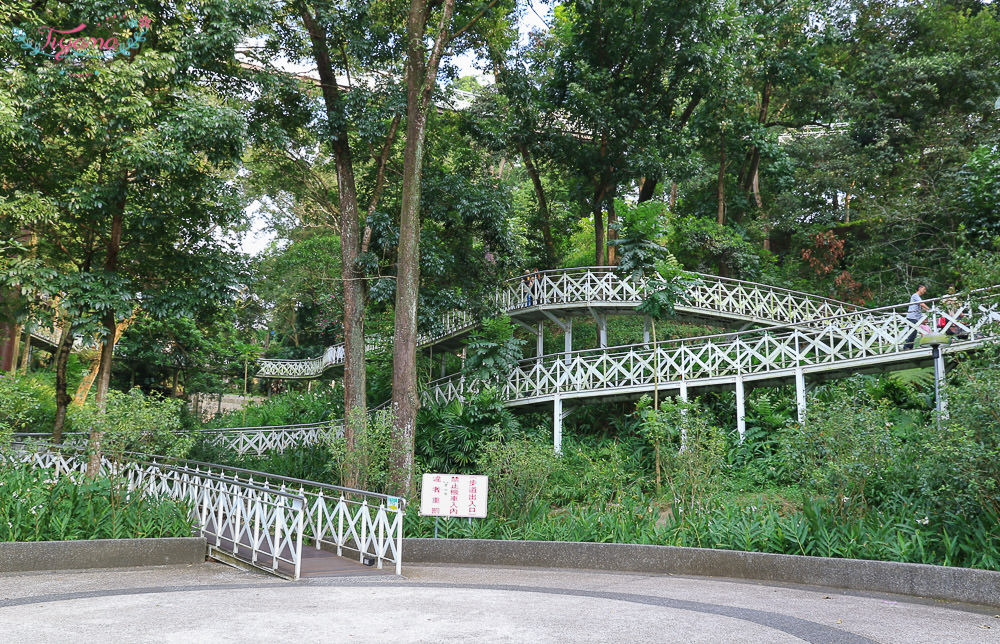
{"x":864,"y":340}
{"x":558,"y":295}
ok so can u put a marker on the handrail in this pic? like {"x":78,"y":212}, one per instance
{"x":827,"y":341}
{"x":511,"y":297}
{"x":318,"y":510}
{"x":812,"y":324}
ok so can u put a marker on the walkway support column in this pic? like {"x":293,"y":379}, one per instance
{"x":601,"y":320}
{"x":741,"y":414}
{"x":940,"y":398}
{"x":800,"y":394}
{"x":645,"y":329}
{"x":557,"y":418}
{"x":540,"y":339}
{"x":684,"y":398}
{"x":567,"y":329}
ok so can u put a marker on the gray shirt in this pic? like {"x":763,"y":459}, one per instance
{"x":913,"y":312}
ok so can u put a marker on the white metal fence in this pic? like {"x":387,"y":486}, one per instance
{"x":260,"y":518}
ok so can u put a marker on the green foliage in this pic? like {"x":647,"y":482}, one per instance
{"x":288,"y":408}
{"x":659,"y":303}
{"x":136,"y":422}
{"x":693,"y":454}
{"x":38,"y":505}
{"x":518,"y":470}
{"x":979,"y":193}
{"x":371,"y":453}
{"x":599,"y":473}
{"x":308,"y":462}
{"x":961,"y":470}
{"x":848,"y":448}
{"x":640,"y":228}
{"x":759,"y":457}
{"x":450,"y":437}
{"x":492,"y":350}
{"x":702,"y":245}
{"x":26,"y":404}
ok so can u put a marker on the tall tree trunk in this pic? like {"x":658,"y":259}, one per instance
{"x":15,"y":349}
{"x":598,"y":234}
{"x":63,"y":399}
{"x":7,"y":346}
{"x":612,"y":233}
{"x":355,"y":386}
{"x":673,"y":195}
{"x":88,"y":380}
{"x":647,"y":188}
{"x":108,"y":349}
{"x":421,"y":75}
{"x":543,"y":204}
{"x":721,"y":185}
{"x":26,"y":356}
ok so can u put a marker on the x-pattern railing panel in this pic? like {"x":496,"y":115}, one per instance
{"x":851,"y":336}
{"x":268,"y":514}
{"x":232,"y":514}
{"x":576,"y":286}
{"x":337,"y":517}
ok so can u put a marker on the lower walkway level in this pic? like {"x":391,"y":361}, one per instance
{"x":444,"y":603}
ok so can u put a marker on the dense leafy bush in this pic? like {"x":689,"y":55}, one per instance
{"x":492,"y":350}
{"x":450,"y":437}
{"x":289,"y":408}
{"x":136,"y":422}
{"x":35,"y":505}
{"x":518,"y":471}
{"x":27,"y":404}
{"x":369,"y":460}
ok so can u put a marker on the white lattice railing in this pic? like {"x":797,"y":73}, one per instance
{"x":260,"y":525}
{"x":259,"y":440}
{"x":704,"y":294}
{"x":258,"y":517}
{"x":832,"y":343}
{"x":366,"y":523}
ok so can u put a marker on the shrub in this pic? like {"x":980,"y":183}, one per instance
{"x":848,"y":449}
{"x":960,"y":470}
{"x":36,"y":505}
{"x":369,"y":460}
{"x":689,"y":451}
{"x":598,"y":474}
{"x":519,"y":470}
{"x":288,"y":408}
{"x":136,"y":422}
{"x":492,"y":350}
{"x":26,"y":404}
{"x":449,"y":437}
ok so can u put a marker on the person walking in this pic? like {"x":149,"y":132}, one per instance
{"x":913,"y":314}
{"x":528,"y":287}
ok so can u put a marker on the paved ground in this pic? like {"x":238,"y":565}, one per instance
{"x":214,"y":603}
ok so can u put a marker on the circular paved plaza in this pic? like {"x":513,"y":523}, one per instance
{"x":435,"y":603}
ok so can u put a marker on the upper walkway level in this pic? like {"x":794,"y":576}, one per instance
{"x":566,"y":292}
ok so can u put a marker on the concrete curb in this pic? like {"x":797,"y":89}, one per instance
{"x":24,"y":556}
{"x":920,"y":580}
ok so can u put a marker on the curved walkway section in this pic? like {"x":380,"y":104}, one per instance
{"x":870,"y":339}
{"x":572,"y":289}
